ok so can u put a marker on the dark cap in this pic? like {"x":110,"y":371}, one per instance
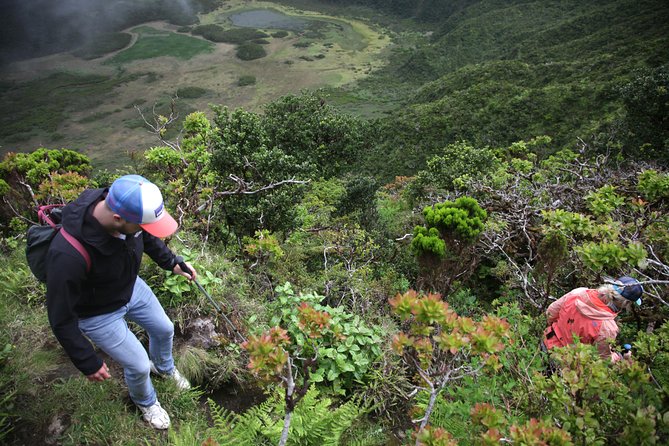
{"x":629,"y":288}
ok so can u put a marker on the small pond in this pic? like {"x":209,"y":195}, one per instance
{"x":266,"y":18}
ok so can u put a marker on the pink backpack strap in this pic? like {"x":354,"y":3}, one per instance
{"x":44,"y":211}
{"x":78,"y":246}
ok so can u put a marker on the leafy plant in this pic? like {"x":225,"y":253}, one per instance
{"x":444,"y":244}
{"x":593,"y":400}
{"x":443,"y":347}
{"x":604,"y":200}
{"x":311,"y":348}
{"x":39,"y":177}
{"x":346,"y":350}
{"x":177,"y":286}
{"x":653,"y":185}
{"x":607,"y":256}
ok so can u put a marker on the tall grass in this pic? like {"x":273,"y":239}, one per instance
{"x":151,"y":45}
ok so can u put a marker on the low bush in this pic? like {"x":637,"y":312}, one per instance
{"x":245,"y":80}
{"x":216,"y":33}
{"x":250,"y":51}
{"x":280,"y":34}
{"x":191,"y":92}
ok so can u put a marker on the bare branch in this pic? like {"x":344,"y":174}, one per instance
{"x":244,"y":188}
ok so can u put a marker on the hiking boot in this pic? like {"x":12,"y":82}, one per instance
{"x":156,"y":416}
{"x":181,"y":382}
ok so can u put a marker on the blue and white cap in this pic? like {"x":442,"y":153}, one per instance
{"x":629,"y":288}
{"x":137,"y":200}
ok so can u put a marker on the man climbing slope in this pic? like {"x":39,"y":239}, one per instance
{"x":116,"y":227}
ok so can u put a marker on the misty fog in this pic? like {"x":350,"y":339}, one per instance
{"x":31,"y":28}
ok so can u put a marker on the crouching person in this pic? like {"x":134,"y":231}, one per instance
{"x":590,"y":314}
{"x":116,"y":226}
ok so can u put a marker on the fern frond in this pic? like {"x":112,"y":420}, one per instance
{"x":342,"y":419}
{"x":222,"y":417}
{"x":314,"y":422}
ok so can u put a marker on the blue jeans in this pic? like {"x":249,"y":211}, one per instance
{"x":111,"y":334}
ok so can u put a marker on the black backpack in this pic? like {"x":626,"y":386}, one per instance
{"x":40,"y":237}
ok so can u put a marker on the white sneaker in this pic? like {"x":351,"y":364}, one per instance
{"x":156,"y":416}
{"x":182,"y":382}
{"x":179,"y":379}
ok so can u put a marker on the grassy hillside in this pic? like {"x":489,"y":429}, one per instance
{"x":497,"y":72}
{"x":100,"y":119}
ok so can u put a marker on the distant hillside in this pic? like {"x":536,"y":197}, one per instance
{"x":494,"y":72}
{"x":32,"y":28}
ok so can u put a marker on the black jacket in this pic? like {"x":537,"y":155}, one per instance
{"x":73,"y":293}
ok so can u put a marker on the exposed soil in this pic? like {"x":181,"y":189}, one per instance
{"x":235,"y":398}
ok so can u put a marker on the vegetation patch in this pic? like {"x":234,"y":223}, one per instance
{"x":191,"y":92}
{"x":156,"y":44}
{"x":280,"y":34}
{"x":103,"y":44}
{"x":245,"y":80}
{"x":216,"y":33}
{"x":250,"y":51}
{"x":42,"y":105}
{"x":95,"y":117}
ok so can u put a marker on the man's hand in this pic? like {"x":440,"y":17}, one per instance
{"x":177,"y":270}
{"x":100,"y":375}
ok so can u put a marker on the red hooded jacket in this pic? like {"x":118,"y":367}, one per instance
{"x":581,"y":313}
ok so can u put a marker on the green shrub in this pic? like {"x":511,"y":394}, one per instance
{"x":599,"y":403}
{"x":653,"y":185}
{"x":191,"y":92}
{"x":343,"y":360}
{"x":462,"y":218}
{"x":216,"y":33}
{"x":246,"y":79}
{"x":280,"y":34}
{"x":250,"y":51}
